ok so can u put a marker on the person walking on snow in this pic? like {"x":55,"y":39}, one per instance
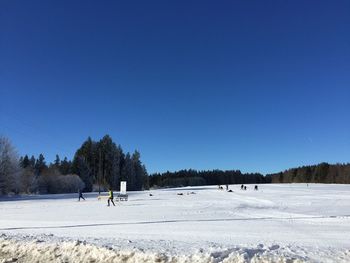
{"x":110,"y":197}
{"x":80,"y":195}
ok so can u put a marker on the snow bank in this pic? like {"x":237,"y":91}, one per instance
{"x":37,"y":250}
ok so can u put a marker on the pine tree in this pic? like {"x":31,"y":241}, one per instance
{"x":128,"y":173}
{"x":40,"y":164}
{"x":57,"y":162}
{"x":89,"y":153}
{"x":138,"y":170}
{"x":85,"y":173}
{"x":65,"y":166}
{"x":32,"y":162}
{"x":24,"y":161}
{"x":110,"y":162}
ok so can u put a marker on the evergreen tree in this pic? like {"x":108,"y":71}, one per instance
{"x":85,"y":173}
{"x":65,"y":166}
{"x":89,"y":153}
{"x":24,"y":161}
{"x":139,"y":170}
{"x":57,"y":162}
{"x":128,"y":173}
{"x":40,"y":164}
{"x":32,"y":162}
{"x":110,"y":162}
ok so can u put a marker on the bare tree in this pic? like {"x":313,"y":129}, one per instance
{"x":9,"y":168}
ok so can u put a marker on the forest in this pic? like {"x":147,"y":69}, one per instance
{"x":321,"y":173}
{"x":214,"y":177}
{"x":96,"y":166}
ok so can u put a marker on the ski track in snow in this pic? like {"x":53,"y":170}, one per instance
{"x":278,"y":223}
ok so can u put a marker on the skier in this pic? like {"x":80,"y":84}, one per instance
{"x":256,"y":188}
{"x":242,"y":187}
{"x":110,"y":197}
{"x":80,"y":195}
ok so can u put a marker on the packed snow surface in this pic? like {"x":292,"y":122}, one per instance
{"x":277,"y":223}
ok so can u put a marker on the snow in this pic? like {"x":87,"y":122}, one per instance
{"x":280,"y":223}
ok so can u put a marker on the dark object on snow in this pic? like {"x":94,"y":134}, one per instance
{"x":150,"y":195}
{"x":256,"y":188}
{"x":191,"y":193}
{"x":227,"y":187}
{"x":80,"y":195}
{"x":180,"y":194}
{"x":242,"y":187}
{"x":121,"y":197}
{"x":230,"y":191}
{"x":245,"y":188}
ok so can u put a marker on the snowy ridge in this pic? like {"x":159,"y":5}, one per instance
{"x":48,"y":248}
{"x":43,"y":249}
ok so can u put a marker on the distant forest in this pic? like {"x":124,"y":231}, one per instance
{"x":321,"y":173}
{"x":214,"y":177}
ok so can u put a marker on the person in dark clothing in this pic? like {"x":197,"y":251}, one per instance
{"x":242,"y":187}
{"x":256,"y":188}
{"x":110,"y":197}
{"x":80,"y":195}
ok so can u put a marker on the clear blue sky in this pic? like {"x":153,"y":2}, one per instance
{"x":251,"y":85}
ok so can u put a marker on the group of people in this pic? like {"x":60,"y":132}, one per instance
{"x":243,"y":187}
{"x":221,"y":188}
{"x":109,"y":200}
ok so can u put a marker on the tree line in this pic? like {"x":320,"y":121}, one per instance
{"x":213,"y":177}
{"x":320,"y":173}
{"x":97,"y":165}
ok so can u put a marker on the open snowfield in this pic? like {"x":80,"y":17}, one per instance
{"x":278,"y":223}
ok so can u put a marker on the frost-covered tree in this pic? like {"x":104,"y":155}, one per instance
{"x":28,"y":181}
{"x":9,"y":168}
{"x":51,"y":181}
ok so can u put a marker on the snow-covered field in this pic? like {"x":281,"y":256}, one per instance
{"x":278,"y":223}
